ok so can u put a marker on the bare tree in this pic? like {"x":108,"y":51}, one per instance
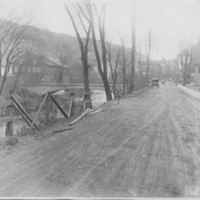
{"x":184,"y":57}
{"x":63,"y":54}
{"x":113,"y":57}
{"x":101,"y":62}
{"x":124,"y":65}
{"x":14,"y":43}
{"x":17,"y":78}
{"x":84,"y":21}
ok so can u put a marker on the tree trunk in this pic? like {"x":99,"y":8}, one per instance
{"x":124,"y":82}
{"x":184,"y":74}
{"x":7,"y":68}
{"x":2,"y":84}
{"x":107,"y":88}
{"x":102,"y":64}
{"x":0,"y":60}
{"x":0,"y":66}
{"x":16,"y":80}
{"x":86,"y":84}
{"x":9,"y":125}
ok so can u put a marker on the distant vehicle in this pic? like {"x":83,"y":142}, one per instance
{"x":155,"y":82}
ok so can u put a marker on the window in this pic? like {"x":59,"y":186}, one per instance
{"x":38,"y":69}
{"x":29,"y":69}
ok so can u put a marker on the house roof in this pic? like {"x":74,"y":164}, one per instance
{"x":49,"y":62}
{"x":46,"y":60}
{"x":57,"y":66}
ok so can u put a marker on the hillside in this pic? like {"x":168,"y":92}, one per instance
{"x":53,"y":45}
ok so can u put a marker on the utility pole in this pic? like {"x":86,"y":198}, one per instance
{"x":140,"y":69}
{"x":132,"y":79}
{"x":148,"y":57}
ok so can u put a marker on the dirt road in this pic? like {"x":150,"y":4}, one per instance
{"x":147,"y":146}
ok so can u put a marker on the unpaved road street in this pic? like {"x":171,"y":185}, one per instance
{"x":147,"y":146}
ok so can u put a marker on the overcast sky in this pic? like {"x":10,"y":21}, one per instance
{"x":169,"y":20}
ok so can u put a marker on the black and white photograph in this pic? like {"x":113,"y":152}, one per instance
{"x":99,"y":99}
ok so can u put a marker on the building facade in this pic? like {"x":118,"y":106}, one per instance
{"x":37,"y":69}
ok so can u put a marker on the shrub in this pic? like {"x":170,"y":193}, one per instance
{"x":11,"y":141}
{"x":25,"y":131}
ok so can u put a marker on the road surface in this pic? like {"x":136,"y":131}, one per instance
{"x":147,"y":146}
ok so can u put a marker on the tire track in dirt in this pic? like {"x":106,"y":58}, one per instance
{"x":155,"y":181}
{"x":112,"y":154}
{"x":116,"y":167}
{"x":67,"y":153}
{"x":189,"y":116}
{"x":102,"y":160}
{"x":180,"y":156}
{"x":41,"y":150}
{"x":146,"y":162}
{"x":159,"y":155}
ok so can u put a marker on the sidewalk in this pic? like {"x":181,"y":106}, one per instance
{"x":190,"y":91}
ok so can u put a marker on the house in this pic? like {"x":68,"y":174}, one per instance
{"x":195,"y":63}
{"x":39,"y":69}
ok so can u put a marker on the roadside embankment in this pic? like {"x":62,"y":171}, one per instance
{"x":193,"y":92}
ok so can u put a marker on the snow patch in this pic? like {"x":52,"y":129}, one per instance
{"x":98,"y":97}
{"x":190,"y":91}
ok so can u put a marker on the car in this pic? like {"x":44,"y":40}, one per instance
{"x":155,"y":82}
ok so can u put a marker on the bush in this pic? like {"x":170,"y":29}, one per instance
{"x":11,"y":141}
{"x":25,"y":131}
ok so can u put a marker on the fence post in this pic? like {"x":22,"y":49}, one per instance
{"x":9,"y":125}
{"x":71,"y":106}
{"x":47,"y":117}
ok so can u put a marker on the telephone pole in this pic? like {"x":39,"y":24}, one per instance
{"x":132,"y":79}
{"x":148,"y":57}
{"x":140,"y":69}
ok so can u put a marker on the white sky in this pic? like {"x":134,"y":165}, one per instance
{"x":170,"y":20}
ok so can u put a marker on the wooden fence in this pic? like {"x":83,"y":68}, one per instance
{"x":32,"y":111}
{"x":49,"y":103}
{"x":8,"y":118}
